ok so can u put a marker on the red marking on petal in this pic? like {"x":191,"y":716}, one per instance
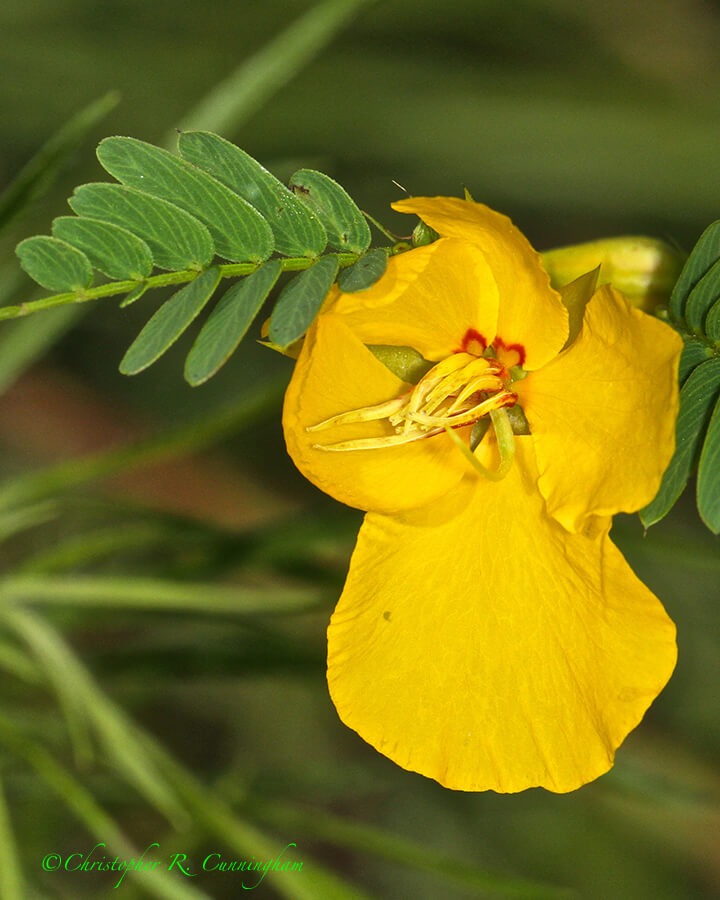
{"x":473,"y":343}
{"x":500,"y":346}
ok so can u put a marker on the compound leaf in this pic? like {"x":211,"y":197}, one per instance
{"x":708,"y":485}
{"x":364,"y":273}
{"x":239,"y":231}
{"x":704,"y":255}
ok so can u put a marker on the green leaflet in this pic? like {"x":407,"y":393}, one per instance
{"x":708,"y":485}
{"x":701,"y":298}
{"x":697,"y":397}
{"x":405,"y":362}
{"x":54,"y":264}
{"x":345,"y":224}
{"x":364,"y":273}
{"x":169,"y":322}
{"x":176,"y":239}
{"x":296,"y":229}
{"x":239,"y":231}
{"x":694,"y":352}
{"x":704,"y":255}
{"x":228,"y":323}
{"x":300,"y":301}
{"x":114,"y":251}
{"x":712,"y":323}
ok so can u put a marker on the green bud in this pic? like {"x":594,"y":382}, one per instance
{"x":644,"y":269}
{"x":423,"y":234}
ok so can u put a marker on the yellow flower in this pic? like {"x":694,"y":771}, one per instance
{"x":490,"y":635}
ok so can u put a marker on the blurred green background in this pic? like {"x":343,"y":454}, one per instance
{"x":166,"y":570}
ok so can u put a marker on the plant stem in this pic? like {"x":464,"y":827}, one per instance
{"x":230,"y":270}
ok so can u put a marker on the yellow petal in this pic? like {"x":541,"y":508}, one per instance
{"x":531,"y":312}
{"x":429,"y":298}
{"x":602,"y":414}
{"x":334,"y":374}
{"x":479,"y":643}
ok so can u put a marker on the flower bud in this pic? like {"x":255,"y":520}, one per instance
{"x":644,"y":269}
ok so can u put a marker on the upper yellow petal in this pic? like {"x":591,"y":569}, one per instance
{"x":479,"y":643}
{"x":336,"y":373}
{"x":428,"y":298}
{"x":530,"y":312}
{"x":602,"y":414}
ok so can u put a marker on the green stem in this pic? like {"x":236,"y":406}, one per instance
{"x":230,"y":270}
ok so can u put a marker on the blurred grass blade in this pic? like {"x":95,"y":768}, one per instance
{"x":235,"y":99}
{"x":160,"y":594}
{"x":708,"y":485}
{"x":116,"y":733}
{"x":228,"y":323}
{"x":18,"y":664}
{"x":701,"y":298}
{"x":55,"y":264}
{"x":704,"y":255}
{"x":81,"y":802}
{"x":314,"y":883}
{"x":112,"y":250}
{"x":169,"y":322}
{"x":14,"y":521}
{"x":697,"y":398}
{"x":32,"y":486}
{"x":364,"y":273}
{"x":239,"y":231}
{"x":176,"y":239}
{"x":296,"y":230}
{"x":300,"y":300}
{"x":38,"y":175}
{"x":11,"y":880}
{"x":385,"y":845}
{"x":347,"y":228}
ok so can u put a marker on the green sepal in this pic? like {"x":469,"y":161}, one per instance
{"x":176,"y":239}
{"x":405,"y":362}
{"x":112,"y":250}
{"x":296,"y":229}
{"x":708,"y":482}
{"x":169,"y":322}
{"x":364,"y":273}
{"x":300,"y":300}
{"x":228,"y":323}
{"x":705,"y":254}
{"x":345,"y":225}
{"x":697,"y":397}
{"x":238,"y":230}
{"x":54,"y":264}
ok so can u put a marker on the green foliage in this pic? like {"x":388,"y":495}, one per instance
{"x":179,"y":213}
{"x":169,"y":322}
{"x":695,"y":312}
{"x":300,"y":301}
{"x":364,"y":273}
{"x":345,"y":224}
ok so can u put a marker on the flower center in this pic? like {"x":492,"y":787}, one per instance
{"x":459,"y":391}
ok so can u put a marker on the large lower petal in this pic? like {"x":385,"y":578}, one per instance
{"x":479,"y":643}
{"x":531,"y":313}
{"x":612,"y":397}
{"x":336,"y":373}
{"x":428,"y":298}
